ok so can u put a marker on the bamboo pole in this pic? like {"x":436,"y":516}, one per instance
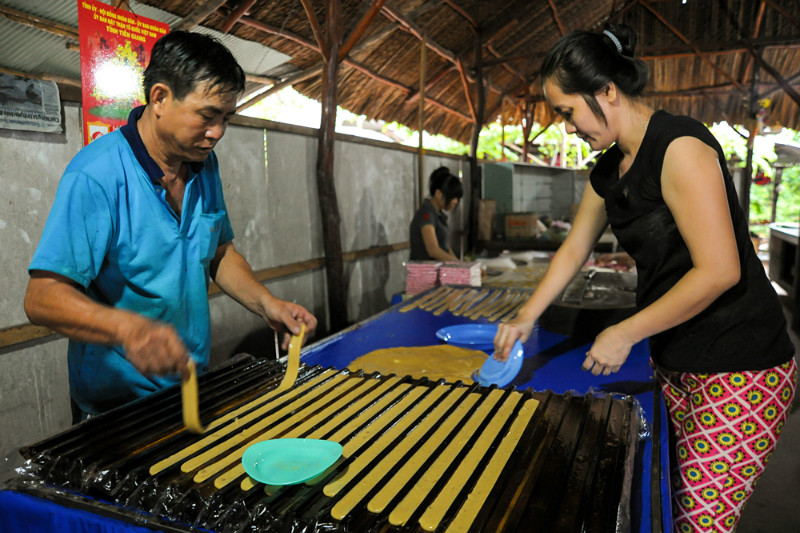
{"x":421,"y":113}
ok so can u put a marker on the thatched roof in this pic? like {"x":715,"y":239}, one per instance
{"x":711,"y":59}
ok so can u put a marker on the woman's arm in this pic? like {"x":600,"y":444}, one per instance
{"x":693,"y":188}
{"x":590,"y":221}
{"x":432,"y":245}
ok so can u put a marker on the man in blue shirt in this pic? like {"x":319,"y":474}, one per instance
{"x":139,"y":226}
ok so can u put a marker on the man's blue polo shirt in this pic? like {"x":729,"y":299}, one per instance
{"x":111,"y":230}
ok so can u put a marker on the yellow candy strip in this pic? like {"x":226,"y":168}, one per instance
{"x":432,"y":303}
{"x":358,"y":424}
{"x":354,"y":407}
{"x":189,"y":400}
{"x":379,"y":502}
{"x":414,"y":497}
{"x":433,"y":515}
{"x":413,"y":305}
{"x":386,"y":439}
{"x":293,"y":363}
{"x":476,"y":498}
{"x":393,"y":457}
{"x":469,"y":302}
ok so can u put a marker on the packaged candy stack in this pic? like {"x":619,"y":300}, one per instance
{"x":421,"y":276}
{"x":460,"y":273}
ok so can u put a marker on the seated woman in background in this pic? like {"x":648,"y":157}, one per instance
{"x":429,"y":234}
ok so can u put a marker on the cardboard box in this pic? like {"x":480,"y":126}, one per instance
{"x":521,"y":226}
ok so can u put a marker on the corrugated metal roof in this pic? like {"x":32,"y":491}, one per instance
{"x":63,"y":11}
{"x":38,"y":52}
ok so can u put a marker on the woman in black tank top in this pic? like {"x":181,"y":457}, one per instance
{"x":716,"y":330}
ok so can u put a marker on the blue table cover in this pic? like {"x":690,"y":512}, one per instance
{"x":23,"y":513}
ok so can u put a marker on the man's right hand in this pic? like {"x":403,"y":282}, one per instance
{"x":155,"y":348}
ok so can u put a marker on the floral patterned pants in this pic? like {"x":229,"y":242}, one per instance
{"x":726,"y":427}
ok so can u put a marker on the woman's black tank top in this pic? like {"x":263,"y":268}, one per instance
{"x":743,"y":329}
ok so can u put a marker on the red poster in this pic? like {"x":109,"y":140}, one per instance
{"x":115,"y":49}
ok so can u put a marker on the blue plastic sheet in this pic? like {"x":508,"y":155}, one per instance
{"x":23,"y":513}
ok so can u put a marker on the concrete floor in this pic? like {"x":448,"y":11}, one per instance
{"x":774,"y":506}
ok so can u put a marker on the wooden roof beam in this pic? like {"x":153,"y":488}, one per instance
{"x":315,"y":28}
{"x":788,"y":16}
{"x":242,"y":9}
{"x":467,"y":94}
{"x":266,"y":28}
{"x":712,"y":90}
{"x":273,"y":30}
{"x":502,"y":30}
{"x":775,"y":74}
{"x":556,"y":18}
{"x":39,"y":23}
{"x":44,"y":76}
{"x":407,"y":25}
{"x":288,"y":82}
{"x":504,"y":64}
{"x":395,"y":16}
{"x":791,"y":81}
{"x":674,"y":30}
{"x":361,"y":27}
{"x":715,"y":49}
{"x":756,"y":29}
{"x":263,"y":80}
{"x":461,"y":11}
{"x":436,"y":78}
{"x":198,"y":14}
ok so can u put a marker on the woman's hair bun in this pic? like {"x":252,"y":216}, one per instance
{"x":624,"y":35}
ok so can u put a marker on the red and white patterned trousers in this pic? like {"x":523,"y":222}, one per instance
{"x":726,"y":427}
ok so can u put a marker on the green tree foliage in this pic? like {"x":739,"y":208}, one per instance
{"x":734,"y":144}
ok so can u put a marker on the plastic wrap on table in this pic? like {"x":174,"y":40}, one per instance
{"x":557,"y":460}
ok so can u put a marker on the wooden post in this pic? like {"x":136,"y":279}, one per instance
{"x":475,"y":178}
{"x":527,"y":125}
{"x":421,"y":112}
{"x":502,"y":135}
{"x":326,"y":188}
{"x":776,"y":190}
{"x":744,"y":193}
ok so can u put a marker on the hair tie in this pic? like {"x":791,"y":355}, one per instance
{"x":614,"y":40}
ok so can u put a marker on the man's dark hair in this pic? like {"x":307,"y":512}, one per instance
{"x":183,"y":60}
{"x":442,"y":180}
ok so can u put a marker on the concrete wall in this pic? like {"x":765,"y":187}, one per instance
{"x":269,"y":181}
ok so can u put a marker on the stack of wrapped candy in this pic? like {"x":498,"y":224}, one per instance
{"x":460,"y":273}
{"x":421,"y":276}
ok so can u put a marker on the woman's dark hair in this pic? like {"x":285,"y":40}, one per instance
{"x":584,"y":63}
{"x":442,"y":180}
{"x":182,"y":60}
